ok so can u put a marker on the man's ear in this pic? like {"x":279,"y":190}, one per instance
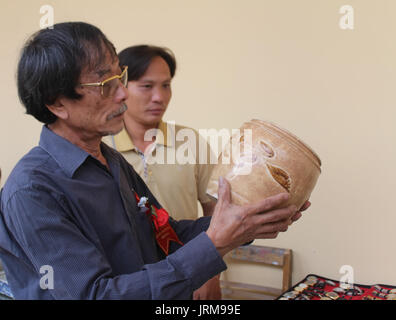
{"x":58,"y":108}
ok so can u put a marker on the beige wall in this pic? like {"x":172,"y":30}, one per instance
{"x":284,"y":61}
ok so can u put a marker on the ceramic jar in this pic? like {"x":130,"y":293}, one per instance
{"x":271,"y":160}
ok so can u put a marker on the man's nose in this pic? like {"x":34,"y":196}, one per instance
{"x":122,"y":92}
{"x":158,"y":95}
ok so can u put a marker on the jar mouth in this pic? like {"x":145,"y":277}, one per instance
{"x":305,"y":148}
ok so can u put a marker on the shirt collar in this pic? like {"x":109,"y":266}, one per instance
{"x":68,"y":156}
{"x":122,"y":141}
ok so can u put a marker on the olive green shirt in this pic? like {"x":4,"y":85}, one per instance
{"x":171,"y":167}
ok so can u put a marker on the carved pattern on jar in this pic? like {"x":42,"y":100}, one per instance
{"x":280,"y":176}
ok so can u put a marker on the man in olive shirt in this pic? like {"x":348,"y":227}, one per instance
{"x":156,"y":149}
{"x":177,"y":186}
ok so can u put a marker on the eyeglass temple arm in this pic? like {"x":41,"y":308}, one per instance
{"x":93,"y":84}
{"x":107,"y":80}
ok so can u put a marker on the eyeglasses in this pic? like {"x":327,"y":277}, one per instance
{"x":109,"y":86}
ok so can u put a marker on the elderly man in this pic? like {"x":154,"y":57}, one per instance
{"x":77,"y":222}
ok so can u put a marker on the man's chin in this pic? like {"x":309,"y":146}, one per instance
{"x":153,"y":121}
{"x":113,"y":132}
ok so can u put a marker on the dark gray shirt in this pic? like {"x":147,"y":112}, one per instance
{"x":67,"y":218}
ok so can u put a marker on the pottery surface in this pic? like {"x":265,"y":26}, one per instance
{"x":268,"y":160}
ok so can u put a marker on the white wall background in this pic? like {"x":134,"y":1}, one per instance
{"x":281,"y":60}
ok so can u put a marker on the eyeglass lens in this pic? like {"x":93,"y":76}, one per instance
{"x":110,"y":87}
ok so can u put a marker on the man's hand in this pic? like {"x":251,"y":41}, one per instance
{"x":232,"y":225}
{"x":298,"y":214}
{"x":209,"y":291}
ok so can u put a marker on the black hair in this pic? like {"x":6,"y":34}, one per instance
{"x":138,"y":59}
{"x":51,"y":63}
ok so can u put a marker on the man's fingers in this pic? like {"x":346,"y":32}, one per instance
{"x":275,"y":215}
{"x":268,"y":203}
{"x":279,"y":226}
{"x":305,"y":206}
{"x":268,"y":235}
{"x":296,"y":216}
{"x":224,"y":191}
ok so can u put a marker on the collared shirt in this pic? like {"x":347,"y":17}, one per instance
{"x":71,"y":229}
{"x":171,"y":167}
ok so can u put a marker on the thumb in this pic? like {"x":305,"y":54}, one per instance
{"x":224,"y":191}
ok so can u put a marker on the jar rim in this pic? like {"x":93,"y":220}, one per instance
{"x":297,"y":141}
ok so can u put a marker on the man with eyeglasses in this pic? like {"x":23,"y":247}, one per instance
{"x":76,"y":220}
